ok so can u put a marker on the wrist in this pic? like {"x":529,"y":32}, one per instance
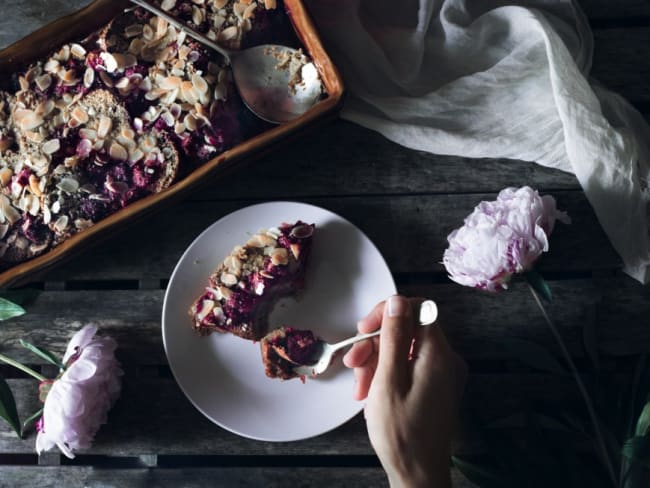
{"x":433,"y":475}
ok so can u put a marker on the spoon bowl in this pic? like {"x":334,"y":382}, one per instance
{"x":277,"y":83}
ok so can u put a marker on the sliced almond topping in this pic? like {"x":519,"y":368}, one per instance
{"x":228,"y":279}
{"x":295,"y":250}
{"x":170,"y":83}
{"x":136,"y":155}
{"x":61,"y":223}
{"x":51,"y":146}
{"x":118,"y":152}
{"x":197,"y":15}
{"x":123,"y":83}
{"x":280,"y":257}
{"x":77,"y":51}
{"x":270,"y":4}
{"x":80,"y":115}
{"x":89,"y":134}
{"x":190,"y":122}
{"x":34,"y":136}
{"x":233,"y":264}
{"x":24,"y":84}
{"x":110,"y":63}
{"x":133,"y":30}
{"x":45,"y":108}
{"x":105,"y":126}
{"x":229,"y":33}
{"x":248,"y":13}
{"x":224,"y":292}
{"x":206,"y":308}
{"x":3,"y":230}
{"x":107,"y":80}
{"x":52,"y":66}
{"x":199,"y":83}
{"x":89,"y":77}
{"x":69,"y":77}
{"x":68,"y":185}
{"x":5,"y":176}
{"x":43,"y":82}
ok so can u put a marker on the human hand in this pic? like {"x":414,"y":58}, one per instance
{"x":412,"y":382}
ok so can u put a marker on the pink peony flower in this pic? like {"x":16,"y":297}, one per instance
{"x":78,"y":401}
{"x":501,"y":238}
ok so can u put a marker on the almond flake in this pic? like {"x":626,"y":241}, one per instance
{"x":105,"y":126}
{"x":68,"y":185}
{"x":270,"y":4}
{"x":89,"y":77}
{"x":229,"y":33}
{"x":51,"y":146}
{"x":280,"y":257}
{"x":89,"y":134}
{"x":80,"y":115}
{"x":77,"y":51}
{"x":199,"y":83}
{"x":61,"y":223}
{"x":133,"y":31}
{"x":118,"y":152}
{"x":110,"y":63}
{"x":43,"y":82}
{"x":5,"y":176}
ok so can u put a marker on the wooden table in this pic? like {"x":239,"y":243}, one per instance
{"x":407,"y":202}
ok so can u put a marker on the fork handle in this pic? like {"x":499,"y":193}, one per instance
{"x":355,"y":339}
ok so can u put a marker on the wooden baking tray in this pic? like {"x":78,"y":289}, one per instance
{"x":76,"y":26}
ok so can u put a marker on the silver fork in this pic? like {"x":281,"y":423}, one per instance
{"x":428,"y":315}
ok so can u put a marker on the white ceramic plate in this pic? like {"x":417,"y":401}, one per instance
{"x":223,"y":375}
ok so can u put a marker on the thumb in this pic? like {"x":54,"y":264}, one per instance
{"x":397,"y":332}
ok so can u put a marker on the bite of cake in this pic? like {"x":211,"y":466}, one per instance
{"x":243,"y":289}
{"x":285,"y":348}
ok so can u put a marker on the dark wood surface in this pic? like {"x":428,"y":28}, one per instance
{"x":406,"y":202}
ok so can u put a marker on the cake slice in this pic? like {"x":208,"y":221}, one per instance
{"x":244,"y":288}
{"x":285,"y":348}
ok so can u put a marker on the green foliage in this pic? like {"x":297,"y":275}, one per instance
{"x":8,"y":409}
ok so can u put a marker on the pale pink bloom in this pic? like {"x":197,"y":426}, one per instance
{"x":78,"y":401}
{"x":501,"y":238}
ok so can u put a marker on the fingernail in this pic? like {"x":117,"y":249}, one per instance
{"x":397,"y":306}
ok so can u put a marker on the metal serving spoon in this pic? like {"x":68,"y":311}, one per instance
{"x":262,"y":76}
{"x":428,"y":315}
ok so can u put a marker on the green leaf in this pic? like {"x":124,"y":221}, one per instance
{"x":30,"y":420}
{"x":533,"y":355}
{"x":539,"y":285}
{"x":643,"y":424}
{"x":43,"y":353}
{"x":9,"y":309}
{"x":8,"y":406}
{"x":637,"y":450}
{"x":480,"y":475}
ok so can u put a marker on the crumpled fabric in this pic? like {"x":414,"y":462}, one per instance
{"x":491,"y":79}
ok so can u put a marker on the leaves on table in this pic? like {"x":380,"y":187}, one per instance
{"x":533,"y":355}
{"x":10,"y":309}
{"x":8,"y":409}
{"x":43,"y":354}
{"x":637,"y":450}
{"x":643,"y":424}
{"x":29,"y":421}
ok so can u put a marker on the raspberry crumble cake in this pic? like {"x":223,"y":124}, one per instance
{"x":244,"y":288}
{"x":122,"y":114}
{"x":285,"y":348}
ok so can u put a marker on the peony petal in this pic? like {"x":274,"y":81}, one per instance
{"x":80,"y":340}
{"x":43,"y":443}
{"x":81,"y":370}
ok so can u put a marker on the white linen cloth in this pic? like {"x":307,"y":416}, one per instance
{"x":486,"y":78}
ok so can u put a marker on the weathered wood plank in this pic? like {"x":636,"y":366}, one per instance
{"x":281,"y":477}
{"x":154,"y":417}
{"x":151,"y":250}
{"x":474,"y":321}
{"x":620,"y":62}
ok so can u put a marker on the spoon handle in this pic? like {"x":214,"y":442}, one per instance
{"x":428,"y":315}
{"x":189,"y":31}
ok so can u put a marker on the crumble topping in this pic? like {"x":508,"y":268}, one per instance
{"x":245,"y":286}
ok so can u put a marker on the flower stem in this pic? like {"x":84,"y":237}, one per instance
{"x":583,"y":390}
{"x":22,"y":367}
